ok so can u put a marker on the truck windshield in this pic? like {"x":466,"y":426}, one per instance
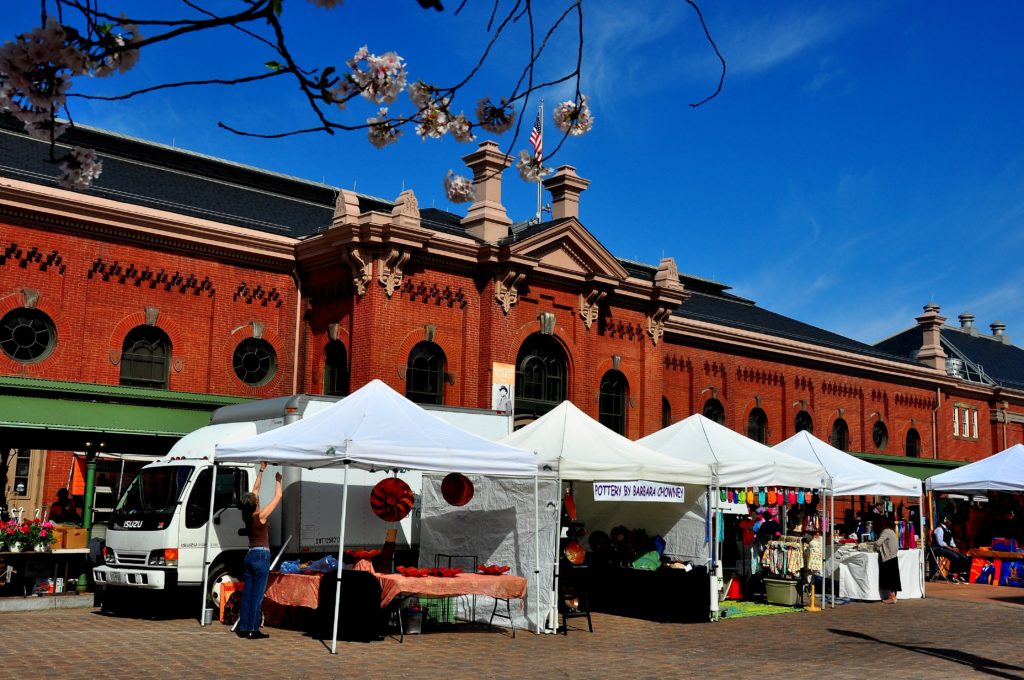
{"x":153,"y":494}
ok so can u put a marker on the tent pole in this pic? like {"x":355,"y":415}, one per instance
{"x":536,"y":548}
{"x":553,"y":611}
{"x":341,"y":549}
{"x":206,"y":544}
{"x":920,"y":520}
{"x":832,"y":511}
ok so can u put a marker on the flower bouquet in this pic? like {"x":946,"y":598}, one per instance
{"x":28,"y":535}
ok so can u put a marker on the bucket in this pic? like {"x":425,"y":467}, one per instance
{"x":207,"y":616}
{"x":412,"y":621}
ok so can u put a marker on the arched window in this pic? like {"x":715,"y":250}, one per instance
{"x":145,"y":358}
{"x":424,"y":375}
{"x":757,"y":426}
{"x":27,"y":335}
{"x":666,"y":412}
{"x":880,"y":435}
{"x":611,"y":407}
{"x":803,"y":422}
{"x":913,"y":445}
{"x":254,"y":361}
{"x":542,"y":376}
{"x":713,"y":410}
{"x":335,"y":369}
{"x":840,"y":435}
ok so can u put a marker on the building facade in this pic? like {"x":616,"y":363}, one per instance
{"x":179,"y":283}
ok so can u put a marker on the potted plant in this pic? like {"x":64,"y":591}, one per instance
{"x":41,"y":535}
{"x":14,"y":535}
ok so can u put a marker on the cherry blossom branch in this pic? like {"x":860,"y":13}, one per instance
{"x":185,"y":83}
{"x":711,"y":40}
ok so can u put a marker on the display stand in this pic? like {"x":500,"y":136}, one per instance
{"x":573,"y":596}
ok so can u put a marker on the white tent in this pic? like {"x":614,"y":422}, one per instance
{"x":737,"y":461}
{"x":375,"y":428}
{"x":850,"y":475}
{"x":1003,"y":471}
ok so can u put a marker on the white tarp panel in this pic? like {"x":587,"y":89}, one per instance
{"x":1002,"y":472}
{"x":737,"y":460}
{"x":574,"y":446}
{"x":858,"y":575}
{"x":850,"y":475}
{"x":377,"y":428}
{"x":495,"y":527}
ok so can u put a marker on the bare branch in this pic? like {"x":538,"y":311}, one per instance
{"x":717,"y":53}
{"x":184,"y":83}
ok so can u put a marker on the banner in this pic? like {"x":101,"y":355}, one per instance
{"x":503,"y":386}
{"x":638,"y":491}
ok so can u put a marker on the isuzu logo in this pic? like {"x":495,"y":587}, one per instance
{"x":133,"y":524}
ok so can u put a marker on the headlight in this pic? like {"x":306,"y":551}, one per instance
{"x":108,"y":555}
{"x":168,"y":557}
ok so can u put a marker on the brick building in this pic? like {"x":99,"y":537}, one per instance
{"x":181,"y":282}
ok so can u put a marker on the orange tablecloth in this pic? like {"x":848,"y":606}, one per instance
{"x":392,"y":585}
{"x":988,"y":553}
{"x":297,"y":590}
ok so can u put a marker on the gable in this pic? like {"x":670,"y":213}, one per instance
{"x":567,"y":249}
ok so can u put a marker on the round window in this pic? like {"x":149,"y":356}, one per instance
{"x":880,"y":435}
{"x":27,"y":335}
{"x":254,"y":361}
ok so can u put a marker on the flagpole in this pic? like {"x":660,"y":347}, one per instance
{"x":540,"y":117}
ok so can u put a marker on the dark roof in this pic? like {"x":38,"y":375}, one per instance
{"x":1003,"y":363}
{"x":736,"y":312}
{"x":442,"y":220}
{"x":157,"y":176}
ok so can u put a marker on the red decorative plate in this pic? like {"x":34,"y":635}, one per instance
{"x":391,"y":499}
{"x":363,"y":554}
{"x":445,"y":572}
{"x":413,"y":572}
{"x":492,"y":569}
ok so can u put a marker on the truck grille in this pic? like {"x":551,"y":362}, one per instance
{"x":128,"y":557}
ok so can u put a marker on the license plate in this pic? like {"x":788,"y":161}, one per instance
{"x":116,"y":577}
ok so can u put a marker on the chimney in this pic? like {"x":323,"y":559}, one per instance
{"x":565,"y":187}
{"x":999,"y":332}
{"x":486,"y":218}
{"x":930,"y":323}
{"x":967,"y":323}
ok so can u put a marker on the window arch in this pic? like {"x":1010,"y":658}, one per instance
{"x":666,"y":412}
{"x":424,"y":374}
{"x":713,"y":410}
{"x":542,"y":376}
{"x":880,"y":435}
{"x":612,"y":401}
{"x":254,"y":361}
{"x":335,"y":369}
{"x":146,"y":358}
{"x":27,"y":335}
{"x":803,"y":422}
{"x":912,"y":448}
{"x":840,"y":435}
{"x":757,"y":425}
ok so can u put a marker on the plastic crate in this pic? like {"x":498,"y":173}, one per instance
{"x":781,"y":591}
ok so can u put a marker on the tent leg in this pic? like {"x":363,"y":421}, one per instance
{"x":206,"y":545}
{"x":553,"y":611}
{"x":341,"y":549}
{"x":832,"y":518}
{"x":920,"y":521}
{"x":536,"y":548}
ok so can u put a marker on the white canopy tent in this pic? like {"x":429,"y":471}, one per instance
{"x":1003,"y":471}
{"x":375,"y":428}
{"x":573,"y":446}
{"x":851,"y":476}
{"x":735,"y":460}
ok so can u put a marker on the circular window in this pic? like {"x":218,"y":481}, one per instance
{"x":27,"y":335}
{"x":880,"y":435}
{"x":254,"y":361}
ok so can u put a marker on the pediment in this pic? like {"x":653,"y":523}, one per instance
{"x":568,"y":249}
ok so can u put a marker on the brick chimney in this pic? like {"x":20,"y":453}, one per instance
{"x":930,"y":323}
{"x":999,"y":332}
{"x":486,"y":218}
{"x":565,"y":187}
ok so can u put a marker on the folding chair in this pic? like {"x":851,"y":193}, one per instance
{"x":940,"y":567}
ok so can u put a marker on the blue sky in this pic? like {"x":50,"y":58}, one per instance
{"x":862,"y":160}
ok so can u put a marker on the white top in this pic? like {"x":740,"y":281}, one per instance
{"x":940,"y":537}
{"x":1003,"y":471}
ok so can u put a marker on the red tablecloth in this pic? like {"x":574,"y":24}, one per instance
{"x":296,"y":590}
{"x":392,"y":585}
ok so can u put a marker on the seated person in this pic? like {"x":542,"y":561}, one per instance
{"x":63,"y":510}
{"x":945,"y":546}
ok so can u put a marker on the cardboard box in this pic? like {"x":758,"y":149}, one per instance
{"x":74,"y":537}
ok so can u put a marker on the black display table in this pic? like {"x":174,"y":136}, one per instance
{"x":664,"y":595}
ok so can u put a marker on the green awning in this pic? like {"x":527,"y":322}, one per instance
{"x":91,"y":416}
{"x":921,"y":468}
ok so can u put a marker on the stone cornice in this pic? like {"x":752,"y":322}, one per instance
{"x":60,"y":209}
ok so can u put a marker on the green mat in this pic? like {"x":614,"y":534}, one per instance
{"x":738,"y":610}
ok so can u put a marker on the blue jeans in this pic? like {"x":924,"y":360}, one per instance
{"x":257,"y":568}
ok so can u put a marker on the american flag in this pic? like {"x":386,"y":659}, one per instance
{"x":537,"y":139}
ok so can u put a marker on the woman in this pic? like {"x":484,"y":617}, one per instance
{"x":257,"y":560}
{"x":887,"y":547}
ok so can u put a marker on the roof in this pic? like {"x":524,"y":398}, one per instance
{"x":1002,"y":362}
{"x":156,"y":176}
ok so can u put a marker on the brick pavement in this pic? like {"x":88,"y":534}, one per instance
{"x":933,"y":638}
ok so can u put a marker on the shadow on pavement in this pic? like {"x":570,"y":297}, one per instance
{"x":977,"y":663}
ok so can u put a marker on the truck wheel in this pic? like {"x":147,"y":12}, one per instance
{"x":220,"y":574}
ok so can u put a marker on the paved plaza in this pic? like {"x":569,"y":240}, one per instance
{"x":961,"y":631}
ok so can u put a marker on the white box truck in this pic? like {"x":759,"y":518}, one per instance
{"x":157,"y":532}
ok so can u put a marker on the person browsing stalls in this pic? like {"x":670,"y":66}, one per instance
{"x":257,"y":560}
